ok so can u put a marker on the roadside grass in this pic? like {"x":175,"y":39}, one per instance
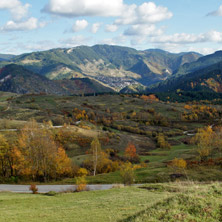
{"x":93,"y":206}
{"x":168,"y":202}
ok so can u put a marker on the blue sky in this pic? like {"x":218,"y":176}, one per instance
{"x":173,"y":25}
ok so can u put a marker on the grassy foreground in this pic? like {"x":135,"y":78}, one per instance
{"x":155,"y":202}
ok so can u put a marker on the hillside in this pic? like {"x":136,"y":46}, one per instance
{"x":17,"y":79}
{"x":115,"y":66}
{"x":6,"y":57}
{"x":206,"y":79}
{"x":200,"y":63}
{"x":134,"y":88}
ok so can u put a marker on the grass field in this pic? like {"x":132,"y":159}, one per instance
{"x":155,"y":202}
{"x":93,"y":206}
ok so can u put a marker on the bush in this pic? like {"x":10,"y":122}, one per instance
{"x":33,"y":188}
{"x":14,"y":179}
{"x":81,"y":184}
{"x":127,"y":173}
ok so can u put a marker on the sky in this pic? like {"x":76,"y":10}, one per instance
{"x":171,"y":25}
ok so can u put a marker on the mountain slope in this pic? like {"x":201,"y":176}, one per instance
{"x":113,"y":65}
{"x":17,"y":79}
{"x":200,"y":63}
{"x":206,"y":79}
{"x":6,"y":57}
{"x":134,"y":88}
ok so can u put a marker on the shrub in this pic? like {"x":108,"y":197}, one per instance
{"x":14,"y":179}
{"x":81,"y":184}
{"x":33,"y":188}
{"x":178,"y":166}
{"x":127,"y":173}
{"x":162,"y":142}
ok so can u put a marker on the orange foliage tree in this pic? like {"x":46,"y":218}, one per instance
{"x":63,"y":163}
{"x":150,"y":97}
{"x":130,"y":153}
{"x":130,"y":150}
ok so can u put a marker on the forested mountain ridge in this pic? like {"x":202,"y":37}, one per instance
{"x":115,"y":66}
{"x":17,"y":79}
{"x":200,"y":63}
{"x":205,"y":79}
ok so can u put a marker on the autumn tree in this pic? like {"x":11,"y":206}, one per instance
{"x":218,"y":139}
{"x":4,"y":155}
{"x":8,"y":157}
{"x":150,"y":97}
{"x":127,"y":173}
{"x":63,"y":163}
{"x":204,"y":139}
{"x":162,"y":142}
{"x":178,"y":165}
{"x":95,"y":151}
{"x":130,"y":153}
{"x":80,"y":114}
{"x":99,"y":161}
{"x":42,"y":157}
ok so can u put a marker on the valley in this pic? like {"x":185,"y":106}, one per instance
{"x":91,"y":116}
{"x":118,"y":120}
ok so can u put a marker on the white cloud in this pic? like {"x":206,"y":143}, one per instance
{"x":204,"y":50}
{"x":124,"y":14}
{"x":111,"y":28}
{"x":146,"y":13}
{"x":79,"y":25}
{"x":178,"y":38}
{"x":31,"y":24}
{"x":75,"y":41}
{"x":178,"y":48}
{"x":75,"y":8}
{"x":16,"y":8}
{"x":143,"y":30}
{"x":95,"y":27}
{"x":213,"y":36}
{"x":184,"y":38}
{"x":216,"y":13}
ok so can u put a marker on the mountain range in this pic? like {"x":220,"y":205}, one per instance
{"x":115,"y":66}
{"x":105,"y":68}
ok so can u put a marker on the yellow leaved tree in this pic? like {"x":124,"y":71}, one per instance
{"x":205,"y":141}
{"x":42,"y":158}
